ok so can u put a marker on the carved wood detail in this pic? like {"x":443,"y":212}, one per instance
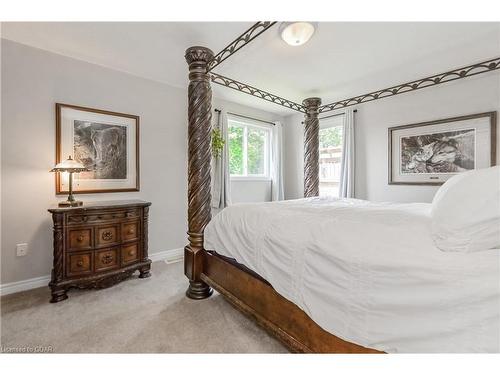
{"x":144,"y":270}
{"x":199,"y":166}
{"x":103,"y":281}
{"x":95,"y":264}
{"x":57,"y":270}
{"x":311,"y":147}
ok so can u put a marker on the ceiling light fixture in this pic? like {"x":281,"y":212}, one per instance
{"x":296,"y":33}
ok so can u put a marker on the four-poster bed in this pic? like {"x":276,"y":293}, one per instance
{"x":242,"y":287}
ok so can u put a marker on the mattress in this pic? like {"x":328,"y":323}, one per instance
{"x":368,"y":272}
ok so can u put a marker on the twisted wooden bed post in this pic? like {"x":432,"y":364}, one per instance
{"x":199,"y":159}
{"x":311,"y":147}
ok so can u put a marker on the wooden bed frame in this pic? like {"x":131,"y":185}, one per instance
{"x":256,"y":298}
{"x":248,"y":292}
{"x":244,"y":289}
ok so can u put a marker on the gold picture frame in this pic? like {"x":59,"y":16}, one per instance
{"x":114,"y":131}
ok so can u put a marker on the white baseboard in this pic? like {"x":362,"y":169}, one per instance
{"x":169,"y":256}
{"x":19,"y":286}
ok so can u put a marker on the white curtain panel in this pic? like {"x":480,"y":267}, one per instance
{"x":221,"y":186}
{"x":346,"y":187}
{"x":277,"y":190}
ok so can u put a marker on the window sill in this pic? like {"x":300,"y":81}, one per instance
{"x":262,"y":179}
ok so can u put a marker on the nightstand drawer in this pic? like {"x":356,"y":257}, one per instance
{"x":80,"y":239}
{"x":79,"y":264}
{"x":107,"y":235}
{"x":130,"y":231}
{"x":100,"y":217}
{"x":130,"y":253}
{"x":106,"y":259}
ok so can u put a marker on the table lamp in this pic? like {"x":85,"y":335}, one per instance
{"x":71,"y":166}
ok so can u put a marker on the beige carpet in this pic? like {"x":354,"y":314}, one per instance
{"x":137,"y":315}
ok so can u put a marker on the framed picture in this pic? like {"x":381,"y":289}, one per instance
{"x":429,"y":153}
{"x":106,"y":143}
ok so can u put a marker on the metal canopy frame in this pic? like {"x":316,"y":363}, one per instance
{"x":437,"y":79}
{"x":202,"y":61}
{"x":204,"y":271}
{"x":240,"y":42}
{"x":247,"y":89}
{"x":260,"y":27}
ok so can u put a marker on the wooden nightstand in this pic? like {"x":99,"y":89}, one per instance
{"x":98,"y":245}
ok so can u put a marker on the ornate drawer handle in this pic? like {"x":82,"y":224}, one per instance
{"x":107,"y":235}
{"x":131,"y":253}
{"x":106,"y":259}
{"x":79,"y":263}
{"x":80,"y":238}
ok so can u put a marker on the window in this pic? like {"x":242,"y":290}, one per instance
{"x":249,"y":149}
{"x":330,"y":155}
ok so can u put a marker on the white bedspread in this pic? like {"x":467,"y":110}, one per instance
{"x":367,"y":272}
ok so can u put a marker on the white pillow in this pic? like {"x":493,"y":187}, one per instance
{"x":466,"y":212}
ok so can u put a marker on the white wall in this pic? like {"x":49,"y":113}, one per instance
{"x":471,"y":95}
{"x":250,"y":191}
{"x":32,"y":82}
{"x":293,"y":155}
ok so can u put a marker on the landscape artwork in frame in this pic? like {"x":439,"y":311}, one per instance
{"x":106,"y":143}
{"x":429,"y":153}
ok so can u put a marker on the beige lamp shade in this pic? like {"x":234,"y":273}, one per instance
{"x":69,"y":165}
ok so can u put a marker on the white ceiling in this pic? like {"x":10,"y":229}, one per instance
{"x":341,"y":60}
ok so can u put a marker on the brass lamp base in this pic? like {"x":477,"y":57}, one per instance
{"x":71,"y":204}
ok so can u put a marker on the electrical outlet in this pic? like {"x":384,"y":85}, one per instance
{"x":21,"y":249}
